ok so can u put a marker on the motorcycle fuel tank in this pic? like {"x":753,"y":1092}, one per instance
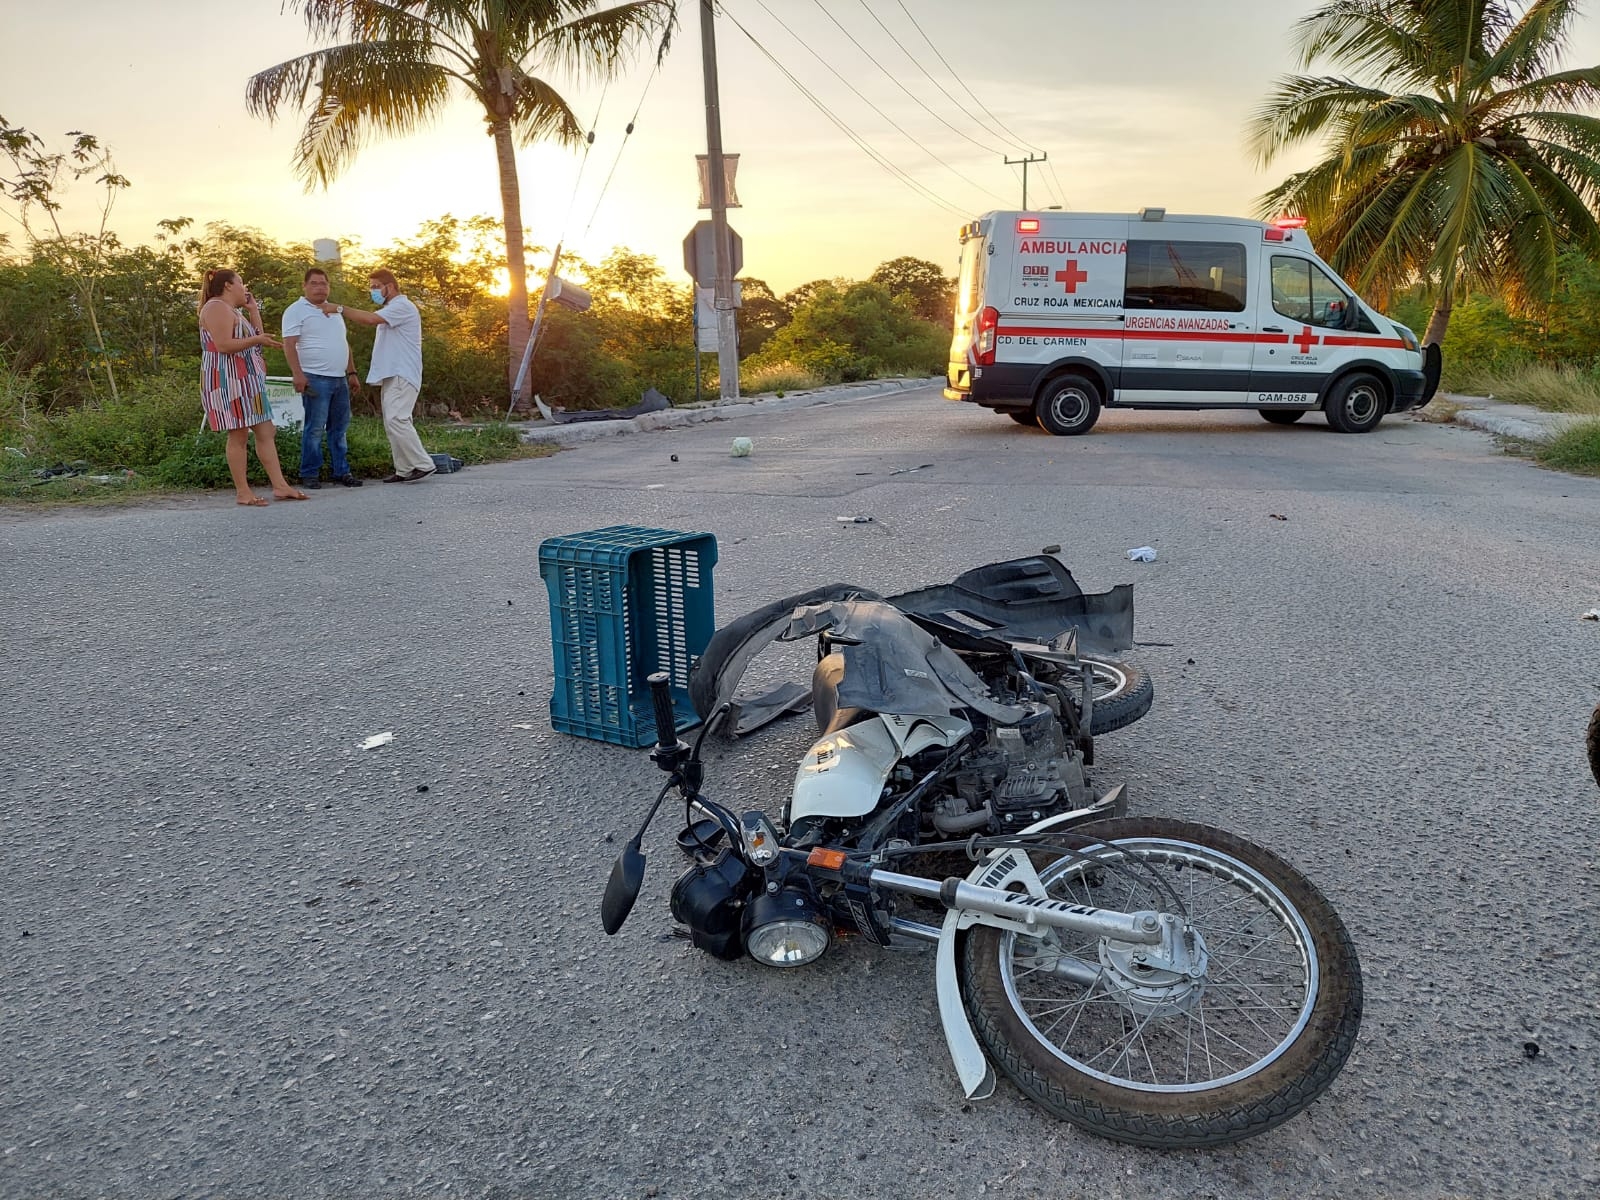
{"x":843,"y":773}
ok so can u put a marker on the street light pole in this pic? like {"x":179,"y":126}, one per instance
{"x":727,"y":334}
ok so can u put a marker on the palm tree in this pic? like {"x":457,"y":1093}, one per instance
{"x":400,"y":62}
{"x":1455,"y":158}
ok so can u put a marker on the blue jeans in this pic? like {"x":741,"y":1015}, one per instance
{"x":327,"y":403}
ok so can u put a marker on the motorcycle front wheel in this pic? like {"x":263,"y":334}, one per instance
{"x":1174,"y":1062}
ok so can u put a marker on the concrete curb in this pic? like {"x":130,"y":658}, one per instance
{"x":588,"y":431}
{"x":1519,"y":421}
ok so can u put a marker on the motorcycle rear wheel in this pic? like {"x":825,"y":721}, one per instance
{"x":1123,"y":693}
{"x":1272,"y":1025}
{"x":1594,"y":743}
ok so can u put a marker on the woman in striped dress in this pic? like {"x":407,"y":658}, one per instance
{"x":233,"y":382}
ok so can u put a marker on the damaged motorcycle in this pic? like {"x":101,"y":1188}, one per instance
{"x":1156,"y":981}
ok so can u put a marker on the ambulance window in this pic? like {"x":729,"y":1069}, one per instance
{"x":1187,"y":276}
{"x":1303,"y":291}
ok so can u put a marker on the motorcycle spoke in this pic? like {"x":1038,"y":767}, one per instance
{"x":1257,"y":985}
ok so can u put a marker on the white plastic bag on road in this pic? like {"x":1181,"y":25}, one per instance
{"x":1143,"y":554}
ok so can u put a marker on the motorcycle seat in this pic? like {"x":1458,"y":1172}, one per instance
{"x":825,"y":696}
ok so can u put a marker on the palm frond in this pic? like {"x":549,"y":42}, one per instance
{"x":1534,"y":44}
{"x":1382,"y":227}
{"x":1567,"y":184}
{"x":541,"y":112}
{"x":597,"y":42}
{"x":1578,"y":88}
{"x":1301,"y":107}
{"x":1366,"y":35}
{"x":363,"y":90}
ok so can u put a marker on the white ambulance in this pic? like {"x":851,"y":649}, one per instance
{"x":1060,"y":314}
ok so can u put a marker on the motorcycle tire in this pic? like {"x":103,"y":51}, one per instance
{"x":1594,"y":743}
{"x":1123,"y":692}
{"x":1238,"y":1054}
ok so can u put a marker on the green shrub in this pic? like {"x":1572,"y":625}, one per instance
{"x":858,"y":331}
{"x":1576,"y":449}
{"x":759,"y":376}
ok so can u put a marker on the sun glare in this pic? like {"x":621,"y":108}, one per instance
{"x":502,"y":283}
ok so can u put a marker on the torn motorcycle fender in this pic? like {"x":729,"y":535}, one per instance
{"x":972,"y":1065}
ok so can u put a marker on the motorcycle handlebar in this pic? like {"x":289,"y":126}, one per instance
{"x":666,"y":722}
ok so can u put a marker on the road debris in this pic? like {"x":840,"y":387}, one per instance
{"x":862,"y":520}
{"x":378,"y":739}
{"x":741,"y":447}
{"x":1142,"y":554}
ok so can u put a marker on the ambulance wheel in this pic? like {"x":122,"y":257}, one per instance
{"x":1357,"y":403}
{"x":1069,"y":404}
{"x":1282,"y":416}
{"x":1023,"y":416}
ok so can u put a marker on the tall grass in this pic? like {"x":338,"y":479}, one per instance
{"x":152,"y":441}
{"x":776,"y":377}
{"x":1560,"y":389}
{"x":1576,"y":448}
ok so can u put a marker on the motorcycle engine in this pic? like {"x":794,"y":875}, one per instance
{"x":1023,"y":772}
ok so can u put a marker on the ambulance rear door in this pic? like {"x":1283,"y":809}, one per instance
{"x":1188,"y":328}
{"x":1065,"y":299}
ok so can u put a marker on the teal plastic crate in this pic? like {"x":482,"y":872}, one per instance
{"x":625,"y":601}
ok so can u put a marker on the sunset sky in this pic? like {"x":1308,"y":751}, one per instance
{"x":1137,"y":103}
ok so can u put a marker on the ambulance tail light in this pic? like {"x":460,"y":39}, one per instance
{"x":1027,"y":224}
{"x":983,"y":344}
{"x":1289,"y":222}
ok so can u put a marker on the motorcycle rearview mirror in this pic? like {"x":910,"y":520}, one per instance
{"x":622,"y":889}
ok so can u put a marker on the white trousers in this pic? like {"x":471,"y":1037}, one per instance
{"x":399,"y":398}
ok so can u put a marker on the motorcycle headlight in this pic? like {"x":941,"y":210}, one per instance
{"x":786,"y":929}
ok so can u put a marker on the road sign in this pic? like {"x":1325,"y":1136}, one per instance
{"x":700,"y":254}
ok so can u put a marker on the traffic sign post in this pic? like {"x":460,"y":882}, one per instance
{"x":700,"y":253}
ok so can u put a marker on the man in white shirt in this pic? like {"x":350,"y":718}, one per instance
{"x":324,"y":374}
{"x":397,"y":369}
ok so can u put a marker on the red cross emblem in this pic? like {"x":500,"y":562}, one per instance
{"x":1305,"y":339}
{"x":1071,"y":276}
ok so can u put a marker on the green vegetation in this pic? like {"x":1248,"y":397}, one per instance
{"x":99,"y":351}
{"x":1457,"y":154}
{"x":150,"y":442}
{"x":1575,"y":449}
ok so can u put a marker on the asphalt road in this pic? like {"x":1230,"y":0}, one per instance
{"x":240,"y":956}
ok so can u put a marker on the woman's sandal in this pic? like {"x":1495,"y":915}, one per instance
{"x":253,"y":502}
{"x":293,"y":495}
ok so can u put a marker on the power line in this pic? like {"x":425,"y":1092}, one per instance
{"x":964,"y":179}
{"x":990,"y":128}
{"x":915,"y":99}
{"x":965,"y":111}
{"x":621,"y":146}
{"x":844,"y":128}
{"x":998,"y":123}
{"x":1061,"y":193}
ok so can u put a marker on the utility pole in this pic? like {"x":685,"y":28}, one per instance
{"x":1011,"y":162}
{"x":727,"y":334}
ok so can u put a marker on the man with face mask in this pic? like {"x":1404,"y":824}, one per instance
{"x":396,"y":369}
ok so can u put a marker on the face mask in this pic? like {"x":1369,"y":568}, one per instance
{"x":377,"y":295}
